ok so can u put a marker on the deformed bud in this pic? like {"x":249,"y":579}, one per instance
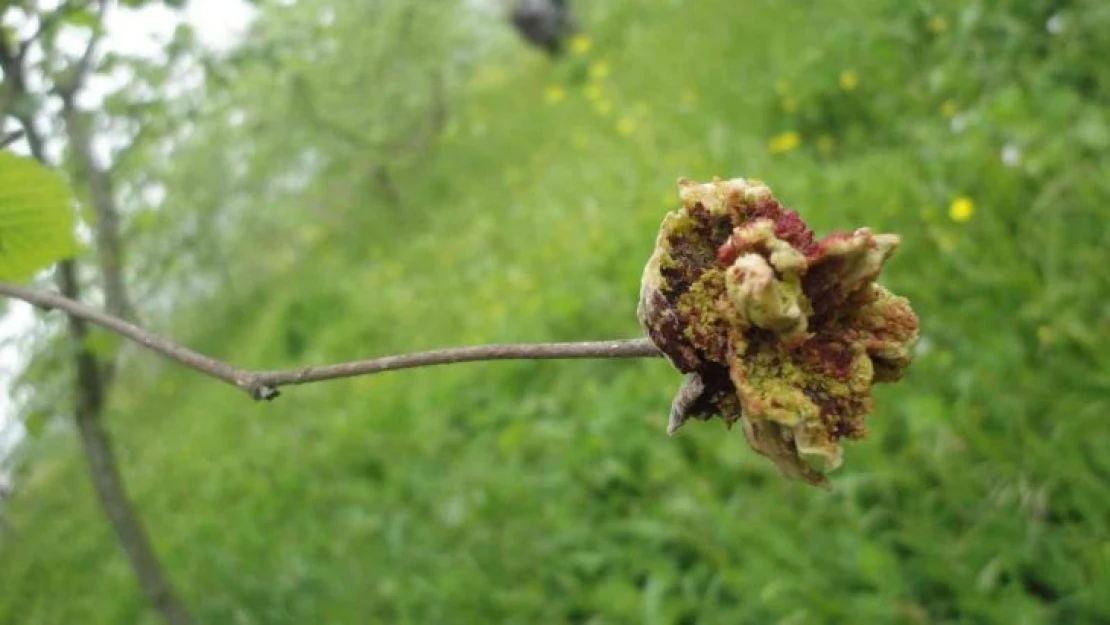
{"x":774,"y":328}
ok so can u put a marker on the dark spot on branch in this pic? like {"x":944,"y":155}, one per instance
{"x":264,"y":392}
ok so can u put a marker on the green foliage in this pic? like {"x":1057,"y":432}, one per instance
{"x":36,"y":218}
{"x":83,"y":17}
{"x":548,"y":491}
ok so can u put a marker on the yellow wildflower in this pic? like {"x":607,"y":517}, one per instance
{"x":849,"y":80}
{"x":626,"y":126}
{"x":826,"y":144}
{"x":581,"y":44}
{"x":937,"y":24}
{"x":593,"y":92}
{"x":948,"y":109}
{"x":603,"y":107}
{"x":599,"y":69}
{"x":554,"y":94}
{"x":961,"y":209}
{"x":785,"y":142}
{"x":789,"y":104}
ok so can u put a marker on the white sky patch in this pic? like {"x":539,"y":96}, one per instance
{"x":219,"y":25}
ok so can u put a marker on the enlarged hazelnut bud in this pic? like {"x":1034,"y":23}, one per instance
{"x":775,"y":329}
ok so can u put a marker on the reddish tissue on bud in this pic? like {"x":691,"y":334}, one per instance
{"x":775,"y":329}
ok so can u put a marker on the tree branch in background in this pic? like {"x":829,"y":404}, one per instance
{"x":11,"y":64}
{"x":92,"y":379}
{"x":34,"y":139}
{"x":46,"y":22}
{"x":264,"y":384}
{"x":109,"y":247}
{"x":124,"y":155}
{"x":352,"y":138}
{"x":91,"y":385}
{"x":10,"y":138}
{"x":81,"y":71}
{"x":306,"y":104}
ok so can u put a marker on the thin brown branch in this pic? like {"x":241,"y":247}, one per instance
{"x":264,"y":384}
{"x":185,"y":356}
{"x":625,"y":348}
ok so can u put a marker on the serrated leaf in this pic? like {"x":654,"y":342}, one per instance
{"x":36,"y":221}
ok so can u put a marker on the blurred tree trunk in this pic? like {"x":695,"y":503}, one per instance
{"x":92,"y":377}
{"x":91,"y":385}
{"x":109,"y":248}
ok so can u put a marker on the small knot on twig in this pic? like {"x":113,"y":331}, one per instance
{"x":258,"y":389}
{"x":264,"y":392}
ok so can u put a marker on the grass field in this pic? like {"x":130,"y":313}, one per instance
{"x":548,"y":492}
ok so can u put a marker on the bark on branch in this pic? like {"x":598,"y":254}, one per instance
{"x":264,"y":384}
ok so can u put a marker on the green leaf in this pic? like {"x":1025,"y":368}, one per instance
{"x":36,"y":220}
{"x":82,"y":18}
{"x":35,"y":422}
{"x":8,"y":37}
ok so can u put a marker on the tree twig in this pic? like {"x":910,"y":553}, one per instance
{"x":264,"y":384}
{"x":84,"y":65}
{"x":10,"y":138}
{"x":46,"y":22}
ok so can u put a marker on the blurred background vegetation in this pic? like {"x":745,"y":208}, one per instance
{"x":360,"y":178}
